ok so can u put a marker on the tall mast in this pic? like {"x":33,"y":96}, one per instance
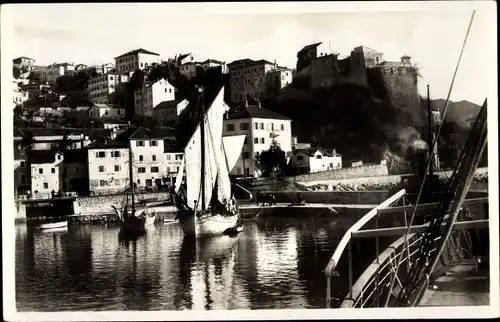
{"x":131,"y":175}
{"x":430,"y":140}
{"x":202,"y":139}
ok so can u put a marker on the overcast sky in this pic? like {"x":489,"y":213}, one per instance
{"x":89,"y":33}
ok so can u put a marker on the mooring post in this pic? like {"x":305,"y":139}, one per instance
{"x":350,"y":268}
{"x":328,"y":290}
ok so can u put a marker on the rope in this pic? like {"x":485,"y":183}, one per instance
{"x":434,"y":145}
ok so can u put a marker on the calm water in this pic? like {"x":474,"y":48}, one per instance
{"x":273,"y":263}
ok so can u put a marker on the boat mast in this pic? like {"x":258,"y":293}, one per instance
{"x":429,"y":129}
{"x":131,"y":175}
{"x":202,"y":139}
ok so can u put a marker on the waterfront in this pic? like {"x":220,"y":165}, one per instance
{"x":275,"y":263}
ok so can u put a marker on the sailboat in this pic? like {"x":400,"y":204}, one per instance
{"x":135,"y":220}
{"x":205,"y":203}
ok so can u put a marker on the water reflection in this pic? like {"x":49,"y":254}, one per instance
{"x":273,"y":263}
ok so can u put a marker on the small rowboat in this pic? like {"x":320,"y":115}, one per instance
{"x":60,"y":224}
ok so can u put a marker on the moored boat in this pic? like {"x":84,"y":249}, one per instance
{"x":205,"y":203}
{"x":54,"y":225}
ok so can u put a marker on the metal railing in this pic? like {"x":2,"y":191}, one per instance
{"x":373,"y":283}
{"x":330,"y":269}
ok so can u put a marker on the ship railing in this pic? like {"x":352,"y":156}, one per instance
{"x":372,"y":286}
{"x":330,"y":269}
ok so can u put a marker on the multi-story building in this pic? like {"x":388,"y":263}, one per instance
{"x":51,"y":73}
{"x":168,"y":112}
{"x":47,"y":139}
{"x":152,"y":95}
{"x":189,"y":69}
{"x":277,"y":78}
{"x":149,"y":157}
{"x":24,"y":61}
{"x":306,"y":55}
{"x":35,"y":91}
{"x":310,"y":160}
{"x":263,"y":129}
{"x":100,"y":87}
{"x":57,"y":172}
{"x":107,"y":111}
{"x":138,"y":59}
{"x":108,"y":167}
{"x":247,"y":77}
{"x":212,"y":63}
{"x":19,"y":97}
{"x":183,"y":59}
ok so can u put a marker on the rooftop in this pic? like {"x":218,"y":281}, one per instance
{"x":212,"y":61}
{"x":98,"y":105}
{"x":109,"y":120}
{"x":311,"y":151}
{"x":108,"y":145}
{"x":22,"y":57}
{"x":248,"y":62}
{"x":145,"y":133}
{"x":309,"y":47}
{"x":138,"y":51}
{"x":244,"y":112}
{"x":42,"y":156}
{"x":169,"y":104}
{"x":182,"y":56}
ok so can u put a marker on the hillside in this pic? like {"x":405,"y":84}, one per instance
{"x":457,"y":111}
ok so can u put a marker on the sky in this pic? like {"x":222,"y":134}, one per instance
{"x":432,"y":36}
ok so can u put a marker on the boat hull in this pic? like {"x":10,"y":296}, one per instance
{"x":62,"y":224}
{"x":206,"y":225}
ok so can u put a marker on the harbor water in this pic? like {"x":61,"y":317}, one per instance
{"x":275,"y":263}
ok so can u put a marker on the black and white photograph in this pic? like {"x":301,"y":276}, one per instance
{"x":267,"y":160}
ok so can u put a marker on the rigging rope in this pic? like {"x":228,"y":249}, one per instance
{"x":431,"y":155}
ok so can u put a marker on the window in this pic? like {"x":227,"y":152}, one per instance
{"x":101,"y":168}
{"x":149,"y":182}
{"x":262,"y":140}
{"x":65,"y":170}
{"x":282,"y":127}
{"x":45,"y":185}
{"x":140,"y":143}
{"x":166,"y":90}
{"x":77,"y":169}
{"x":115,"y":154}
{"x":153,"y":157}
{"x":53,"y":170}
{"x":230,"y":127}
{"x":102,"y":183}
{"x":246,"y":155}
{"x":101,"y":154}
{"x":261,"y":126}
{"x":141,"y":170}
{"x":155,"y":170}
{"x":246,"y":140}
{"x":272,"y":126}
{"x":22,"y":164}
{"x":318,"y":156}
{"x":141,"y":158}
{"x":300,"y":158}
{"x":244,"y":126}
{"x":168,"y":169}
{"x":168,"y":157}
{"x":256,"y":140}
{"x":23,"y":178}
{"x":117,"y":168}
{"x":178,"y":157}
{"x":59,"y":157}
{"x":256,"y":126}
{"x":154,"y":143}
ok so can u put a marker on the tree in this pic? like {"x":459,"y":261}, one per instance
{"x":273,"y":161}
{"x":80,"y":119}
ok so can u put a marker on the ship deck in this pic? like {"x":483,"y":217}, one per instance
{"x":462,"y":285}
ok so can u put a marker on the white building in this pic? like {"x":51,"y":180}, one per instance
{"x":212,"y":63}
{"x":315,"y":160}
{"x":19,"y":97}
{"x":51,"y":73}
{"x":149,"y":97}
{"x":168,"y":112}
{"x":183,"y":59}
{"x":135,"y":60}
{"x":149,"y":157}
{"x":189,"y":69}
{"x":100,"y":87}
{"x":46,"y":167}
{"x":107,"y":111}
{"x":262,"y":127}
{"x":278,"y":78}
{"x":108,"y":167}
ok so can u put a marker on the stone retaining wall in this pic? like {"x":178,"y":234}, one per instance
{"x":97,"y":205}
{"x":345,"y":173}
{"x":335,"y":197}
